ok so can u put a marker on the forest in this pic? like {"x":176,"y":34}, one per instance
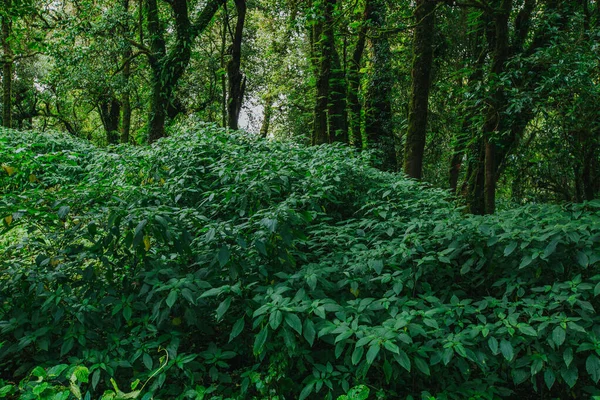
{"x":299,"y":199}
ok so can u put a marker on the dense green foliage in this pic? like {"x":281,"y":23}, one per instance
{"x":218,"y":265}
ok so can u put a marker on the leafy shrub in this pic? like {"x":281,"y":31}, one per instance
{"x":274,"y":270}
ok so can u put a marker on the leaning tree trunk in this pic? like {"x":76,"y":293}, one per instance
{"x":421,"y":79}
{"x":237,"y":82}
{"x":323,"y":37}
{"x":7,"y":68}
{"x":378,"y":101}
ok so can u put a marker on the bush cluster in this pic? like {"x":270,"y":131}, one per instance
{"x":216,"y":265}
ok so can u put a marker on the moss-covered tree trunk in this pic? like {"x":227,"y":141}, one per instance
{"x":110,"y":113}
{"x":168,"y":66}
{"x":421,"y":80}
{"x":378,"y":98}
{"x":125,"y":98}
{"x":338,"y":113}
{"x":7,"y":66}
{"x":323,"y":53}
{"x":354,"y":78}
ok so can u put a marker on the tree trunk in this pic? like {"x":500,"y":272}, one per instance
{"x":264,"y":128}
{"x":223,"y":77}
{"x":7,"y":67}
{"x":237,"y":82}
{"x":323,"y":37}
{"x":338,"y":114}
{"x":126,"y":119}
{"x":378,"y":103}
{"x":168,"y":67}
{"x":491,"y":125}
{"x":354,"y":105}
{"x":110,"y":112}
{"x":473,"y":187}
{"x":158,"y":111}
{"x":421,"y":79}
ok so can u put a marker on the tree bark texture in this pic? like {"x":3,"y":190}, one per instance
{"x":354,"y":78}
{"x":421,"y":81}
{"x":236,"y":80}
{"x":378,"y":99}
{"x":323,"y":48}
{"x":7,"y":67}
{"x":168,"y":66}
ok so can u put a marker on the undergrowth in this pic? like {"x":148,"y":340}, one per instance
{"x":215,"y":265}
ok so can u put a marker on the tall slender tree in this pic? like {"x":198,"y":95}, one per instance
{"x":7,"y":64}
{"x":354,"y":79}
{"x":236,"y":80}
{"x":378,"y":98}
{"x":421,"y":80}
{"x":323,"y":43}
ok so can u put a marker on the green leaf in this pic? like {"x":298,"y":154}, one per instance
{"x":402,"y":359}
{"x":39,"y":372}
{"x":372,"y":353}
{"x":583,"y":260}
{"x":138,"y":233}
{"x":507,"y":350}
{"x":81,"y":374}
{"x":63,"y":211}
{"x":391,"y":347}
{"x":510,"y":248}
{"x":536,"y":366}
{"x":376,"y":265}
{"x":309,"y":331}
{"x":526,"y":330}
{"x":597,"y":290}
{"x":306,"y":391}
{"x":57,"y":370}
{"x":238,"y":327}
{"x":447,"y":356}
{"x":127,"y":312}
{"x":95,"y":378}
{"x":223,"y":255}
{"x":275,"y":319}
{"x":549,"y":378}
{"x":525,"y":261}
{"x":570,"y":375}
{"x":66,"y":346}
{"x":357,"y":354}
{"x":551,"y":248}
{"x":559,"y":335}
{"x":568,"y":356}
{"x":5,"y":390}
{"x":493,"y":345}
{"x":422,"y":366}
{"x":148,"y":362}
{"x":172,"y":298}
{"x":519,"y":376}
{"x":223,"y":307}
{"x":260,"y":340}
{"x":294,"y":322}
{"x":592,"y":366}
